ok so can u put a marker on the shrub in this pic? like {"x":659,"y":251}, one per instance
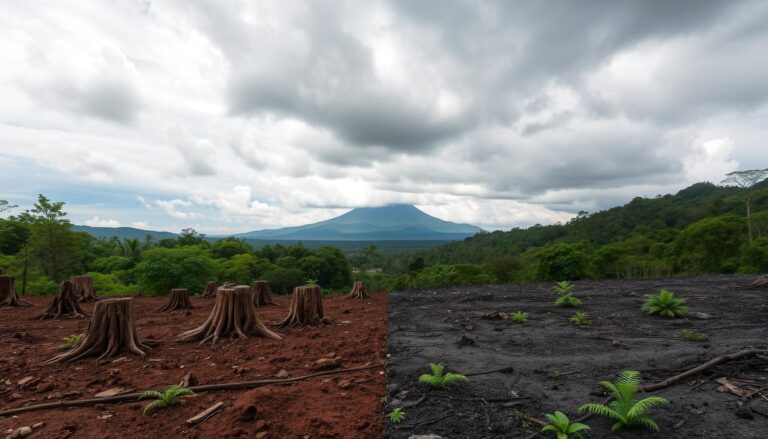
{"x":665,"y":304}
{"x":162,"y":268}
{"x":563,"y":287}
{"x":438,"y":380}
{"x":167,"y":398}
{"x":561,"y":261}
{"x":563,"y":427}
{"x":625,"y":408}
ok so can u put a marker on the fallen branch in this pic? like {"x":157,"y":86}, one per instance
{"x":701,"y":368}
{"x":207,"y":413}
{"x":244,"y":385}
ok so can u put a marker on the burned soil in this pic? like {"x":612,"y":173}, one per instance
{"x":346,"y":405}
{"x":556,"y":365}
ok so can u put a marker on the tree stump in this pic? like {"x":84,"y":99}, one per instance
{"x":210,"y":290}
{"x":65,"y":304}
{"x":306,"y":308}
{"x":112,"y":330}
{"x":358,"y":291}
{"x":8,"y":292}
{"x":260,"y":293}
{"x":179,"y":299}
{"x":233,"y":315}
{"x":83,"y":289}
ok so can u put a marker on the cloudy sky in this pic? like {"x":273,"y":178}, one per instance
{"x":231,"y":116}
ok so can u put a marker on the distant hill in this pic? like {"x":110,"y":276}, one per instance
{"x":397,"y":222}
{"x":123,"y":232}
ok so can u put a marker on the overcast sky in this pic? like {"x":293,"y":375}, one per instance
{"x":230,"y":116}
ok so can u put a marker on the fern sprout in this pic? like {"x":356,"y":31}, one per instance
{"x":311,"y":282}
{"x":438,"y":380}
{"x":568,"y":300}
{"x":625,"y":408}
{"x":167,"y":398}
{"x":70,"y":342}
{"x":396,"y":415}
{"x":563,"y":427}
{"x":665,"y":304}
{"x":563,"y":287}
{"x":520,"y":317}
{"x":580,"y":319}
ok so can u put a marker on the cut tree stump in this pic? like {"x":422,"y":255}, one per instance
{"x":233,"y":315}
{"x":83,"y":289}
{"x":8,"y":292}
{"x":358,"y":291}
{"x":210,"y":290}
{"x":111,"y":331}
{"x":306,"y":308}
{"x":179,"y":299}
{"x":260,"y":293}
{"x":65,"y":304}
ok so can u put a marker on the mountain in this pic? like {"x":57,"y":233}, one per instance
{"x":396,"y":222}
{"x":123,"y":232}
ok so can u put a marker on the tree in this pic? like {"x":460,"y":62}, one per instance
{"x":5,"y":205}
{"x":562,"y":262}
{"x":162,"y":269}
{"x":189,"y":236}
{"x":711,"y":245}
{"x":747,"y":180}
{"x":230,"y":246}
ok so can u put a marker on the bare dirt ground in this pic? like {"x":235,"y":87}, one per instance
{"x":556,"y":365}
{"x":338,"y":406}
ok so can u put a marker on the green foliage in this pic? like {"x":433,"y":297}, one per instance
{"x":165,"y":399}
{"x":568,"y":300}
{"x":580,"y":319}
{"x":284,"y":280}
{"x":311,"y":282}
{"x":690,"y":335}
{"x":754,"y":256}
{"x":438,"y":379}
{"x":228,"y":247}
{"x":665,"y":304}
{"x":110,"y":285}
{"x":396,"y":416}
{"x":243,"y":268}
{"x":111,"y":264}
{"x":70,"y":342}
{"x":625,"y":408}
{"x":711,"y":245}
{"x":13,"y":235}
{"x":519,"y":317}
{"x":563,"y":287}
{"x":162,"y":268}
{"x":563,"y":428}
{"x":562,"y":261}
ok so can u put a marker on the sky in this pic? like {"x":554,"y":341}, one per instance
{"x":230,"y":116}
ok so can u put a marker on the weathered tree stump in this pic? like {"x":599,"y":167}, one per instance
{"x":179,"y":299}
{"x":306,"y":308}
{"x":83,"y":289}
{"x":233,"y":315}
{"x":111,"y":331}
{"x":210,"y":290}
{"x":260,"y":293}
{"x":65,"y":304}
{"x":8,"y":292}
{"x":358,"y":291}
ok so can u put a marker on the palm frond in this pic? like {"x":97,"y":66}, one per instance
{"x":154,"y":394}
{"x":640,"y":407}
{"x":154,"y":405}
{"x":602,"y":410}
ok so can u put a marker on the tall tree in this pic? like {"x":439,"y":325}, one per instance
{"x":747,"y":180}
{"x":5,"y":205}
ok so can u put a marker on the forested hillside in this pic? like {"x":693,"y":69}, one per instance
{"x":700,"y":229}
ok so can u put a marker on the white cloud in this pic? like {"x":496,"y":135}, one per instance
{"x":140,"y":224}
{"x":99,"y":222}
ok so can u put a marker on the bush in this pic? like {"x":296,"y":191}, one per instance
{"x":711,"y":245}
{"x":283,"y":280}
{"x":754,"y":256}
{"x":110,"y":264}
{"x":163,"y":268}
{"x":562,"y":261}
{"x":110,"y":285}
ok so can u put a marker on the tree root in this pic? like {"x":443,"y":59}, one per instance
{"x":179,"y":300}
{"x":244,"y":385}
{"x":260,"y":293}
{"x":65,"y":304}
{"x":306,"y":308}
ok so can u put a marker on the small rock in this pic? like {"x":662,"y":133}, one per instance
{"x":114,"y":391}
{"x":615,"y":343}
{"x":392,"y":388}
{"x":38,"y":425}
{"x":363,"y":425}
{"x":701,"y":315}
{"x":261,"y":435}
{"x":345,"y":384}
{"x":27,"y":381}
{"x":327,"y":363}
{"x":21,"y":432}
{"x":44,"y":387}
{"x":744,"y":412}
{"x":282,"y":374}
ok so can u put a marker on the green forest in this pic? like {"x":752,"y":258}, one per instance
{"x":701,"y":229}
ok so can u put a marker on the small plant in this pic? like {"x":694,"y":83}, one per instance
{"x":438,"y":380}
{"x":568,"y":300}
{"x":562,"y":426}
{"x":520,"y":317}
{"x":563,"y":287}
{"x":665,"y":304}
{"x":167,"y":398}
{"x":580,"y":319}
{"x":625,"y":408}
{"x":689,"y":335}
{"x":384,"y":400}
{"x":311,"y":282}
{"x":396,"y":415}
{"x":71,"y":342}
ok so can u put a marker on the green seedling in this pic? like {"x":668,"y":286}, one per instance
{"x":563,"y":287}
{"x":580,"y":319}
{"x":563,"y":427}
{"x":625,"y":408}
{"x":665,"y":304}
{"x":520,"y":317}
{"x":71,"y":342}
{"x":165,"y":399}
{"x":438,"y":380}
{"x":689,"y":335}
{"x":568,"y":300}
{"x":397,"y":415}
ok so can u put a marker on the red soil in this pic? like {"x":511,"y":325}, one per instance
{"x":338,"y":406}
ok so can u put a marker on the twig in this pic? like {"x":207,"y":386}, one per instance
{"x":244,"y":385}
{"x":413,"y":403}
{"x":424,"y":422}
{"x":205,"y":414}
{"x":507,"y":369}
{"x":708,"y":365}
